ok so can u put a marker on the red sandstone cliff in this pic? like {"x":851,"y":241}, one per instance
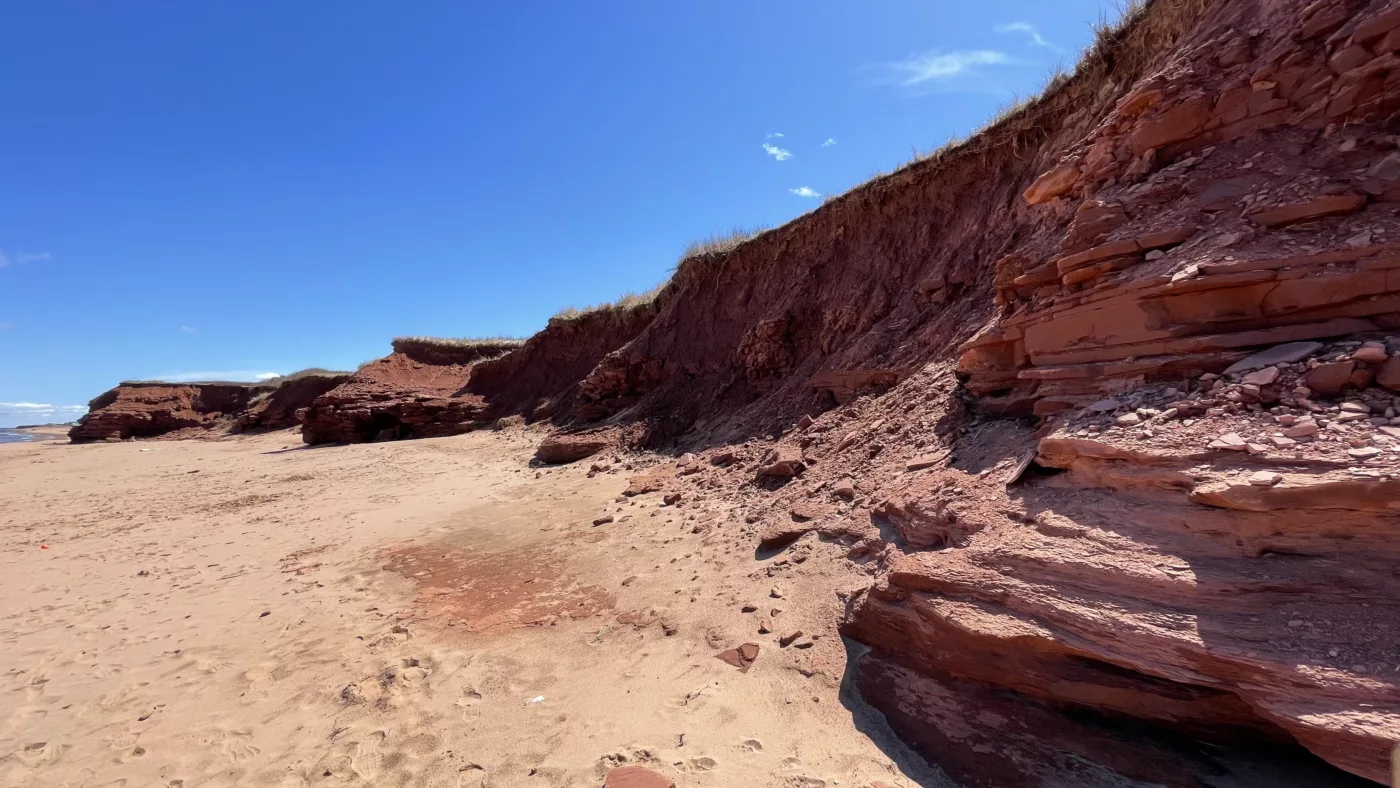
{"x":1092,"y":522}
{"x":152,"y":409}
{"x":1202,"y":555}
{"x":418,"y":391}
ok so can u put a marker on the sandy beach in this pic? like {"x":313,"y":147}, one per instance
{"x":250,"y":612}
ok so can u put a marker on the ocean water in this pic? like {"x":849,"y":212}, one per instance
{"x":10,"y":436}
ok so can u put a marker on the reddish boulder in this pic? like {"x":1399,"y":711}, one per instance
{"x":1389,"y":374}
{"x":565,"y":447}
{"x":783,"y":462}
{"x":1329,"y":379}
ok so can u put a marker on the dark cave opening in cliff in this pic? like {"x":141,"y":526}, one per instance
{"x":385,"y":427}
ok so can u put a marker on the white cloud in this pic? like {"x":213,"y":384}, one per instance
{"x":776,"y":152}
{"x":225,"y":374}
{"x":24,"y":257}
{"x":829,"y":142}
{"x":187,"y":329}
{"x":805,"y":191}
{"x":13,"y":413}
{"x":933,"y":66}
{"x":770,"y":135}
{"x":1030,"y":30}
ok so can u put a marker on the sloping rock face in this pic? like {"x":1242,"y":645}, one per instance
{"x":1241,"y":194}
{"x":1190,"y":556}
{"x":283,"y":407}
{"x":148,"y":410}
{"x":398,"y":396}
{"x":540,"y":380}
{"x":144,"y":410}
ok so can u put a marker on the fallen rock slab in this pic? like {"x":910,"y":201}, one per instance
{"x":566,"y":447}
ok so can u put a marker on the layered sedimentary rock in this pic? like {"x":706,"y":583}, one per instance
{"x":147,"y":410}
{"x":427,"y":388}
{"x":540,"y":379}
{"x":1101,"y":399}
{"x":284,"y":405}
{"x":414,"y":392}
{"x":1202,"y":556}
{"x":143,"y":410}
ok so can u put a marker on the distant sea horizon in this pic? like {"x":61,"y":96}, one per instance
{"x":12,"y":435}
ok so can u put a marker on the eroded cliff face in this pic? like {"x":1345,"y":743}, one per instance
{"x":427,"y":390}
{"x":142,"y":410}
{"x":1019,"y":382}
{"x":395,"y":397}
{"x":540,"y":380}
{"x":1107,"y":511}
{"x":149,"y":410}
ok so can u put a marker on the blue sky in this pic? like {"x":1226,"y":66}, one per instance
{"x":231,"y":188}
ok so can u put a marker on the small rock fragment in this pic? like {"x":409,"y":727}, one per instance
{"x":1262,"y":377}
{"x":1229,"y":442}
{"x":1265,"y":479}
{"x":1371,"y":352}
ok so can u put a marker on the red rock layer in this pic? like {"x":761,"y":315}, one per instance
{"x":147,"y":410}
{"x":540,"y":379}
{"x":284,"y":406}
{"x":395,"y":397}
{"x":1219,"y":179}
{"x":143,"y":410}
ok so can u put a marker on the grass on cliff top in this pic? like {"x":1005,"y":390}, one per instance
{"x":713,"y":248}
{"x":459,"y":343}
{"x":486,"y":348}
{"x":309,"y":372}
{"x":624,"y":303}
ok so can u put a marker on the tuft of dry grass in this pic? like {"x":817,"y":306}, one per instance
{"x":309,"y":372}
{"x":624,"y":303}
{"x":721,"y":243}
{"x":462,"y":342}
{"x":457,"y":349}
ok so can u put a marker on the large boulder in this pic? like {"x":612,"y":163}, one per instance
{"x":564,"y":447}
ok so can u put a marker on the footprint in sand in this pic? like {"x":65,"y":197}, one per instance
{"x":237,"y":745}
{"x":470,"y":697}
{"x":752,"y":745}
{"x":40,"y":753}
{"x":703,"y":764}
{"x":364,"y":761}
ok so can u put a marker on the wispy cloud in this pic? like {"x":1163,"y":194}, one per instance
{"x":942,"y":66}
{"x":805,"y":191}
{"x":776,"y":152}
{"x":829,"y":142}
{"x":31,"y":412}
{"x":770,"y":135}
{"x":1030,"y":30}
{"x":188,"y":329}
{"x":222,"y":374}
{"x":24,"y":257}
